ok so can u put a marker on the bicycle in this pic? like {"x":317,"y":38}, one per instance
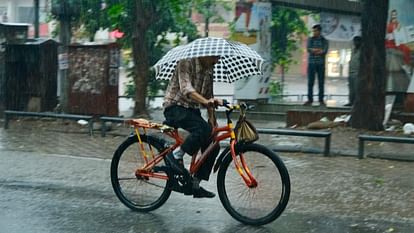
{"x":252,"y":181}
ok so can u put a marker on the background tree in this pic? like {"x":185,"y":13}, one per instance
{"x":287,"y":28}
{"x":369,"y":107}
{"x":145,"y":24}
{"x":209,"y":10}
{"x":93,"y":15}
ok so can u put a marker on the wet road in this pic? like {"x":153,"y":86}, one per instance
{"x":46,"y":192}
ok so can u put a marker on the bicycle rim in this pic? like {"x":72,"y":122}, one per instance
{"x":264,"y":203}
{"x":137,"y":193}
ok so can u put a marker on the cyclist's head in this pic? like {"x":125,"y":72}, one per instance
{"x":209,"y":61}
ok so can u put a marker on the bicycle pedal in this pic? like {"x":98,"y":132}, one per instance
{"x":160,"y":169}
{"x":177,"y":189}
{"x":175,"y":186}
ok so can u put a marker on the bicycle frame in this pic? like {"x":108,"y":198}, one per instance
{"x":219,"y":133}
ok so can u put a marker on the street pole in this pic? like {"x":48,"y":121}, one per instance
{"x":283,"y":80}
{"x":64,"y":37}
{"x":64,"y":10}
{"x":36,"y":18}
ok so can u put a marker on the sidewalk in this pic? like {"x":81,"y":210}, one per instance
{"x":369,"y":195}
{"x":365,"y":191}
{"x":67,"y":137}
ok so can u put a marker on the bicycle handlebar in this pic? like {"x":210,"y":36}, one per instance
{"x":242,"y":105}
{"x":226,"y":103}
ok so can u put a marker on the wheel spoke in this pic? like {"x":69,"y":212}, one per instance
{"x":132,"y":178}
{"x":262,"y":203}
{"x":138,"y":193}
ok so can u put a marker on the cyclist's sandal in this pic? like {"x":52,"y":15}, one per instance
{"x":201,"y":192}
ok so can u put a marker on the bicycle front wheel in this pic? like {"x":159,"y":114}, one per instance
{"x":266,"y":201}
{"x":138,"y":193}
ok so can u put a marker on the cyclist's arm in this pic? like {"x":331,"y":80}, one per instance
{"x":199,"y":98}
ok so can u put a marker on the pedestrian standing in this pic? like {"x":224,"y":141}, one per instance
{"x":354,"y":69}
{"x":317,"y":47}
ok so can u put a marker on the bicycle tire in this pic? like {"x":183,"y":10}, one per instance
{"x":138,"y":194}
{"x":246,"y":204}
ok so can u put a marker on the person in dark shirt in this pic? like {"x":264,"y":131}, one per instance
{"x":317,"y":47}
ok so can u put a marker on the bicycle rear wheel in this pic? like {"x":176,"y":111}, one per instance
{"x":261,"y":204}
{"x":138,"y":193}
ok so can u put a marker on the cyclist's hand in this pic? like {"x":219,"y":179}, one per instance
{"x":218,"y":102}
{"x":212,"y":102}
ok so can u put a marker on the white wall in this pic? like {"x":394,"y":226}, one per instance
{"x":13,"y":6}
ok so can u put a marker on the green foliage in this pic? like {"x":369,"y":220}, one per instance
{"x":92,"y":16}
{"x":275,"y":88}
{"x":287,"y":28}
{"x":379,"y":181}
{"x":166,"y":16}
{"x":209,"y":10}
{"x":130,"y":89}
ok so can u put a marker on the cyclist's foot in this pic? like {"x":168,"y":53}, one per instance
{"x":308,"y":103}
{"x":322,"y":104}
{"x":201,"y":192}
{"x":176,"y":164}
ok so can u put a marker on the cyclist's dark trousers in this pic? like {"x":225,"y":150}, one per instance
{"x":200,"y":131}
{"x":318,"y":69}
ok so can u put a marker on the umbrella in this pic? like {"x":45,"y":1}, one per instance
{"x":236,"y":60}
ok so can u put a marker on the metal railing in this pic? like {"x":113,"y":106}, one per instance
{"x":285,"y":97}
{"x":301,"y":97}
{"x":375,"y":138}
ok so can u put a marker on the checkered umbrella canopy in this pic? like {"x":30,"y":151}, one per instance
{"x":236,"y":60}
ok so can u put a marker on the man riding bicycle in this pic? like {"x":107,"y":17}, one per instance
{"x":190,"y":88}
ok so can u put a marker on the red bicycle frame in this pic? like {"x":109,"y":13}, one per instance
{"x":219,"y":134}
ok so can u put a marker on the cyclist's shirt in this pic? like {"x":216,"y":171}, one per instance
{"x":189,"y":76}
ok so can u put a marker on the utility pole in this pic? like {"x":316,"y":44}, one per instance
{"x":64,"y":37}
{"x":64,"y":10}
{"x":36,"y":18}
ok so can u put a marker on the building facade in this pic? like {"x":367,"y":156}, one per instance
{"x":22,"y":11}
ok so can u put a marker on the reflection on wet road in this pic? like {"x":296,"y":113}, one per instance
{"x":59,"y":193}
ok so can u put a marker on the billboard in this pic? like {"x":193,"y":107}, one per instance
{"x":399,"y":40}
{"x":252,"y":27}
{"x":339,"y":27}
{"x":399,"y":44}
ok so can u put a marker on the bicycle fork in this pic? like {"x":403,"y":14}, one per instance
{"x":241,"y":167}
